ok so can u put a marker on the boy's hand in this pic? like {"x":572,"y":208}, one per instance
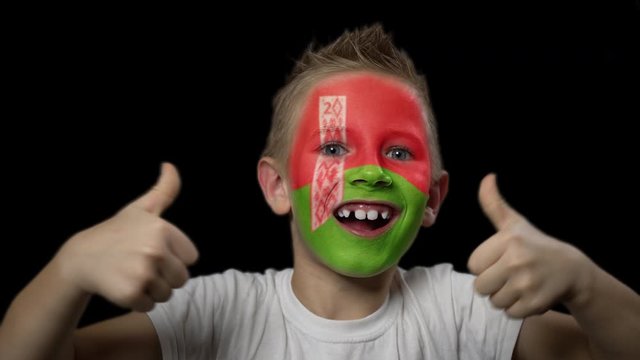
{"x":524,"y":270}
{"x":135,"y":258}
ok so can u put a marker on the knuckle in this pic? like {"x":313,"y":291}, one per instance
{"x":536,"y":307}
{"x":525,"y":283}
{"x":519,"y":310}
{"x":178,"y":278}
{"x":496,"y":302}
{"x":518,"y":239}
{"x":160,"y":228}
{"x":164,"y":296}
{"x":130,"y":295}
{"x":500,"y":304}
{"x":479,"y":285}
{"x":183,"y":277}
{"x":513,"y":312}
{"x":519,"y":224}
{"x":503,"y":299}
{"x":514,"y":264}
{"x":518,"y":258}
{"x":152,"y":252}
{"x":541,"y":301}
{"x":146,"y":273}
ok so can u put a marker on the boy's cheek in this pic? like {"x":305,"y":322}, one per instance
{"x":302,"y":167}
{"x":417,"y":173}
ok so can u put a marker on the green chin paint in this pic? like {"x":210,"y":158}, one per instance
{"x":357,"y":256}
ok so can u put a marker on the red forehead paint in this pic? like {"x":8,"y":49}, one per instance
{"x":367,"y":113}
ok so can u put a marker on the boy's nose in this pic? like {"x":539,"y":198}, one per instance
{"x":370,"y":177}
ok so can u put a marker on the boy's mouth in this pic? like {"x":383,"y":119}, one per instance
{"x":366,"y":218}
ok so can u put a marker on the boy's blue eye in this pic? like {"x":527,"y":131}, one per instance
{"x":333,"y":149}
{"x":399,"y":153}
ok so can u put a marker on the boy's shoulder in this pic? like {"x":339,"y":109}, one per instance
{"x":439,"y":282}
{"x":434,"y":274}
{"x":238,"y":281}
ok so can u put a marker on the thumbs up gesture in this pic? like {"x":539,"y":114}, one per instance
{"x":135,"y":258}
{"x":523,"y":270}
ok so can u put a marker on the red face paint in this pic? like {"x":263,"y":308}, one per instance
{"x":370,"y":114}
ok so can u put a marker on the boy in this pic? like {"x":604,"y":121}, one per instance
{"x":353,"y":157}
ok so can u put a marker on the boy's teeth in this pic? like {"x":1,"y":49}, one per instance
{"x":371,"y":212}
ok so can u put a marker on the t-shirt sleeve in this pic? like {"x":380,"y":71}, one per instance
{"x":209,"y":314}
{"x":484,"y":331}
{"x":184,"y":324}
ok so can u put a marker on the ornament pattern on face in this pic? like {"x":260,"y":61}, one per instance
{"x":328,"y":175}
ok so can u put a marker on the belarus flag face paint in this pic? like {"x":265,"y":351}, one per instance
{"x":360,"y":171}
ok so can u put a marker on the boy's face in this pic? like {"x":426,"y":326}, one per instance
{"x":360,"y":172}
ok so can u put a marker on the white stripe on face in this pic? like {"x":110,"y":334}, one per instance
{"x":328,"y":175}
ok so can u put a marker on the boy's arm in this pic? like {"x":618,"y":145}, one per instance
{"x":41,"y":324}
{"x":133,"y":259}
{"x":41,"y":320}
{"x":605,"y":325}
{"x":128,"y":337}
{"x":525,"y":272}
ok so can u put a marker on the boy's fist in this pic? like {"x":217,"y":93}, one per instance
{"x":523,"y":270}
{"x":135,"y":258}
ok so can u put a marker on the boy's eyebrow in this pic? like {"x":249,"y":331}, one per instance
{"x":410,"y":138}
{"x":404,"y":133}
{"x":325,"y":128}
{"x":315,"y":134}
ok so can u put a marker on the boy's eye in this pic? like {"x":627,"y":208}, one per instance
{"x":399,"y":153}
{"x":333,"y":149}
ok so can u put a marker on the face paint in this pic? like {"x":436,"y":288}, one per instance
{"x":360,"y":172}
{"x":326,"y":189}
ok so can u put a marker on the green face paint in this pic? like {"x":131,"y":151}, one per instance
{"x":354,"y":255}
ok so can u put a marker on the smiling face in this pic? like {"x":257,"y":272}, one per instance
{"x":360,"y":170}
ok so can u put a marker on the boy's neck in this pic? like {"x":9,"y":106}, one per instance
{"x":334,"y":296}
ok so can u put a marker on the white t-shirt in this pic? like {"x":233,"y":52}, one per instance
{"x":430,"y":313}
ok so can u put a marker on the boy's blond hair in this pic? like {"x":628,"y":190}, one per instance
{"x":366,"y":49}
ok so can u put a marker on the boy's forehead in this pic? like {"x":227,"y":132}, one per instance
{"x":363,"y":83}
{"x":366,"y":92}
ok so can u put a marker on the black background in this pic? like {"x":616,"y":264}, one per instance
{"x":95,"y":99}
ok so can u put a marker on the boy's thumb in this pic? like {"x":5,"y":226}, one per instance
{"x":163,"y":193}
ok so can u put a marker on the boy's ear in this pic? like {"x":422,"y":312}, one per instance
{"x":274,"y":186}
{"x":437,"y":192}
